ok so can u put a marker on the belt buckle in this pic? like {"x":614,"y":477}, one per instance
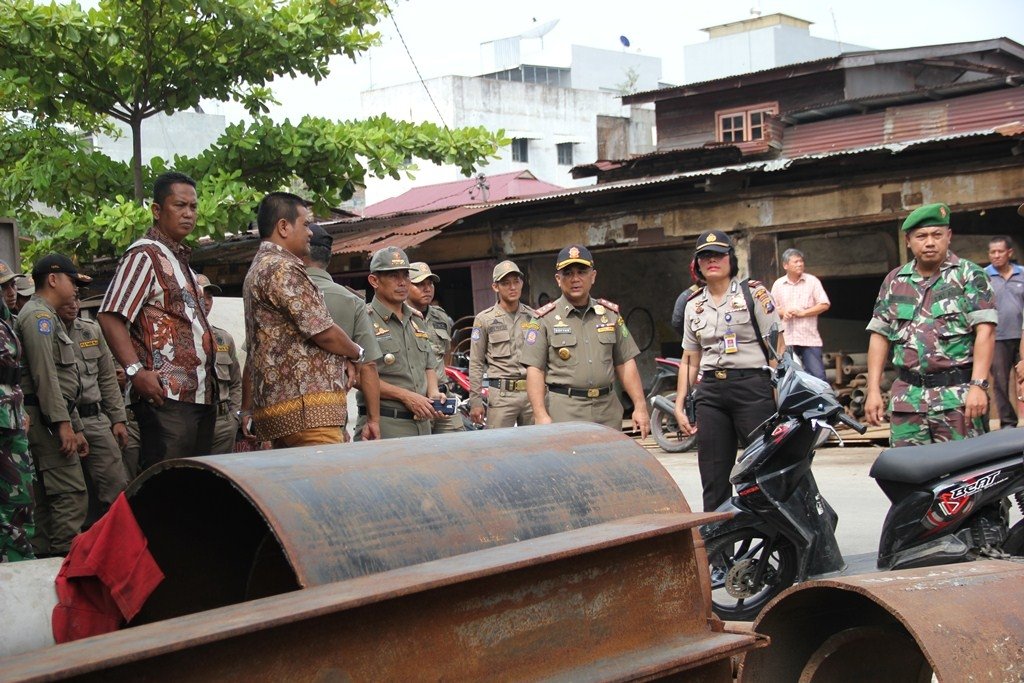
{"x":721,"y":374}
{"x":593,"y":393}
{"x":519,"y":385}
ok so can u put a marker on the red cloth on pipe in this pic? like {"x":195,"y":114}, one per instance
{"x":106,"y":578}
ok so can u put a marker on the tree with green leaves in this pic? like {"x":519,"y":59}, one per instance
{"x":65,"y":69}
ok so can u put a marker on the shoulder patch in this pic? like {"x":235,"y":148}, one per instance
{"x":545,"y":309}
{"x":44,"y":325}
{"x":693,"y":291}
{"x":475,"y":336}
{"x":613,"y":307}
{"x":761,"y":294}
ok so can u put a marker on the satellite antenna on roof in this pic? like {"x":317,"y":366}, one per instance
{"x":540,"y":30}
{"x":625,"y":42}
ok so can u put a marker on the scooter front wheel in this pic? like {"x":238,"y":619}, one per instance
{"x":748,"y":569}
{"x":665,"y":429}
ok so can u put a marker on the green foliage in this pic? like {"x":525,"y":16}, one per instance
{"x":64,"y":69}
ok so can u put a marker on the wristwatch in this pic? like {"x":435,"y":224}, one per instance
{"x":133,"y":369}
{"x":983,"y":383}
{"x":362,"y":355}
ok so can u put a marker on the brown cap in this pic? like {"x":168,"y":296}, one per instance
{"x":420,"y":271}
{"x":24,"y":286}
{"x":207,"y":286}
{"x":389,"y":258}
{"x":503,"y":269}
{"x":7,"y":273}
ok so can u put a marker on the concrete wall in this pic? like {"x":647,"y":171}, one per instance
{"x":595,"y":69}
{"x":187,"y":133}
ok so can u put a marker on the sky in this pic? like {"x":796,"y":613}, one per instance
{"x":444,"y":37}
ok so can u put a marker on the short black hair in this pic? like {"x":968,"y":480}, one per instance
{"x":274,"y":207}
{"x":162,"y":184}
{"x":1005,"y":239}
{"x":319,"y":253}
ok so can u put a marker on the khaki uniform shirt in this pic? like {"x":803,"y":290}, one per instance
{"x":229,"y":371}
{"x":348,"y":312}
{"x":579,"y":350}
{"x":405,"y":345}
{"x":49,"y":371}
{"x":496,"y":347}
{"x":709,"y":324}
{"x":439,"y":327}
{"x":96,"y":367}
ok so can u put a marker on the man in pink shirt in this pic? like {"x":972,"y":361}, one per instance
{"x":800,"y":299}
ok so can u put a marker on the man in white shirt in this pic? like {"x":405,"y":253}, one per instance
{"x":800,"y":299}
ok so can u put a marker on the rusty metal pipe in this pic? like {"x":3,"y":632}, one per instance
{"x":959,"y":622}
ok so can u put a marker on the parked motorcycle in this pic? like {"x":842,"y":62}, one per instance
{"x":949,"y":502}
{"x":661,"y":401}
{"x":458,"y":382}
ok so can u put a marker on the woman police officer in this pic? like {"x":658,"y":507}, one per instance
{"x":733,"y":393}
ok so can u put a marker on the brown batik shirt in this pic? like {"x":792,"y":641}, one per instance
{"x":296,"y":384}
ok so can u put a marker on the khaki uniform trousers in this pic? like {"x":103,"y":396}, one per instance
{"x":105,"y":474}
{"x":60,"y":494}
{"x":605,"y":410}
{"x":130,"y":453}
{"x":508,"y":409}
{"x":224,"y":432}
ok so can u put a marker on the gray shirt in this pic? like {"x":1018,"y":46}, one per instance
{"x":1009,"y":295}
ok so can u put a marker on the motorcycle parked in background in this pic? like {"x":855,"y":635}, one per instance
{"x":950,"y":502}
{"x":458,"y":382}
{"x":661,"y":399}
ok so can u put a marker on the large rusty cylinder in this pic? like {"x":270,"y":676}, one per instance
{"x":960,"y":622}
{"x":229,"y":528}
{"x":621,"y":600}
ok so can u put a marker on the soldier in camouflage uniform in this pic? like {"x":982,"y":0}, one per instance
{"x":439,"y":327}
{"x":17,"y":476}
{"x":938,"y":315}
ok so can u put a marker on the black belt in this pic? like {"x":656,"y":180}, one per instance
{"x":391,"y":412}
{"x":945,"y":378}
{"x":88,"y":409}
{"x":723,"y":374}
{"x":578,"y":393}
{"x":508,"y":384}
{"x":223,"y":408}
{"x":10,"y":376}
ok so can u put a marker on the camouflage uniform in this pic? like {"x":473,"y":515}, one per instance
{"x":17,"y":476}
{"x":930,"y":324}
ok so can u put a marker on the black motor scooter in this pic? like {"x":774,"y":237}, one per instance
{"x":949,"y":501}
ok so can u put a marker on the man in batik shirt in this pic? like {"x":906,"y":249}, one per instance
{"x":295,"y":372}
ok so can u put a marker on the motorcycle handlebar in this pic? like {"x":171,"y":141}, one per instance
{"x":852,"y":424}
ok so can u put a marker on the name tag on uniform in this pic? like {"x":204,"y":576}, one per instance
{"x":606,"y":328}
{"x":222,"y":347}
{"x":729,"y":340}
{"x":89,"y":342}
{"x":561,"y":329}
{"x":438,"y":325}
{"x":420,"y":333}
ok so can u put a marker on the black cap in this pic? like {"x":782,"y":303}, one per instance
{"x":713,"y":240}
{"x":59,"y":263}
{"x":574,"y":253}
{"x":320,"y":237}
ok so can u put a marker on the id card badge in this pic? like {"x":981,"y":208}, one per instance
{"x":730,"y":342}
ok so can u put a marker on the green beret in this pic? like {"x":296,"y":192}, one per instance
{"x":927,"y":215}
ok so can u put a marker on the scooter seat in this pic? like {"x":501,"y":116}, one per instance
{"x":918,"y":464}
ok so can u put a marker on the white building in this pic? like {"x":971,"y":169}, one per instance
{"x":187,"y":133}
{"x":756,"y":44}
{"x":556,"y":116}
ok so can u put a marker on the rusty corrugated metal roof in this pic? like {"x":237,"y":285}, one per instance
{"x":461,"y":192}
{"x":370,"y":234}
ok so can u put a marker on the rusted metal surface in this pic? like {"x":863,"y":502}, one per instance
{"x":959,"y":622}
{"x":257,"y":524}
{"x":622,"y":600}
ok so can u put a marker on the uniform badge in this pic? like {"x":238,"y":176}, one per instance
{"x":531,"y":337}
{"x":561,"y":329}
{"x":604,"y":318}
{"x":222,"y":348}
{"x":564,"y":353}
{"x":389,"y":359}
{"x":87,"y":343}
{"x":44,"y":326}
{"x":698,"y":309}
{"x":475,"y":336}
{"x":599,"y":309}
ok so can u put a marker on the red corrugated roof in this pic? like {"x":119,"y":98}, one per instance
{"x":404,"y":231}
{"x":461,"y":192}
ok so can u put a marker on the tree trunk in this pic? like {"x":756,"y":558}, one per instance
{"x":136,"y":125}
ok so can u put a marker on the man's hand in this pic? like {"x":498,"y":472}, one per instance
{"x":874,"y":407}
{"x":684,"y":425}
{"x":641,"y":420}
{"x":544,"y":419}
{"x":976,"y":403}
{"x":420,"y":406}
{"x":371,"y":431}
{"x":81,"y":445}
{"x":68,"y":442}
{"x":120,"y":433}
{"x":246,"y":426}
{"x":146,"y":384}
{"x":351,"y":374}
{"x":477,"y":415}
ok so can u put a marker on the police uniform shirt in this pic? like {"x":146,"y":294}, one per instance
{"x":578,"y":349}
{"x":99,"y":377}
{"x":710,"y":323}
{"x":439,"y":326}
{"x":405,"y":348}
{"x":50,"y":371}
{"x":496,"y":346}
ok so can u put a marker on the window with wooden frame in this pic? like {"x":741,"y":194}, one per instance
{"x":744,"y":124}
{"x":520,"y":149}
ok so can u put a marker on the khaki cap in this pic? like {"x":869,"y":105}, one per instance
{"x":7,"y":273}
{"x":420,"y":271}
{"x":503,"y":269}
